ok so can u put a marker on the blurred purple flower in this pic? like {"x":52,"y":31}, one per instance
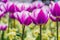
{"x":37,"y":4}
{"x":54,"y":11}
{"x":24,"y":6}
{"x":40,"y":16}
{"x":3,"y":27}
{"x":53,"y":18}
{"x":5,"y":1}
{"x":11,"y":8}
{"x":55,"y":8}
{"x":2,"y":9}
{"x":23,"y":17}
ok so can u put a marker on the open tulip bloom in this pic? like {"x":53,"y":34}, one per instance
{"x":55,"y":11}
{"x":40,"y":17}
{"x":24,"y":18}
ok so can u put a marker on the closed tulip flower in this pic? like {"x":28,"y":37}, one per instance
{"x":53,"y":18}
{"x":39,"y":16}
{"x":23,"y":17}
{"x":55,"y":11}
{"x":3,"y":27}
{"x":55,"y":8}
{"x":2,"y":9}
{"x":11,"y":8}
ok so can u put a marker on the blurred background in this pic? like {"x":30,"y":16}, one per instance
{"x":32,"y":0}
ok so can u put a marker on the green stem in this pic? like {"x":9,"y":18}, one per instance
{"x":57,"y":29}
{"x":8,"y":24}
{"x":2,"y":36}
{"x":50,"y":29}
{"x":14,"y":23}
{"x":23,"y":28}
{"x":40,"y":32}
{"x":0,"y":20}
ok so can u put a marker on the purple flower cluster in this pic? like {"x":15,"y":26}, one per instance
{"x":36,"y":12}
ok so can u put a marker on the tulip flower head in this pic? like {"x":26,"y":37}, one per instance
{"x":55,"y":11}
{"x":11,"y":8}
{"x":37,"y":4}
{"x":55,"y":8}
{"x":40,"y":16}
{"x":3,"y":27}
{"x":23,"y":17}
{"x":4,"y":1}
{"x":2,"y":9}
{"x":24,"y":6}
{"x":53,"y":18}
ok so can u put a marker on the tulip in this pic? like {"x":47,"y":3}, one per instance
{"x":40,"y":17}
{"x":37,"y":4}
{"x":3,"y":27}
{"x":55,"y":7}
{"x":24,"y":6}
{"x":55,"y":11}
{"x":4,"y":1}
{"x":42,"y":14}
{"x":53,"y":18}
{"x":20,"y":6}
{"x":2,"y":9}
{"x":24,"y":19}
{"x":11,"y":8}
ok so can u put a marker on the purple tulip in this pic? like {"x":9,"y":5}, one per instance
{"x":24,"y":6}
{"x":37,"y":4}
{"x":5,"y":1}
{"x":11,"y":8}
{"x":54,"y":14}
{"x":55,"y":11}
{"x":3,"y":27}
{"x":40,"y":16}
{"x":55,"y":8}
{"x":23,"y":17}
{"x":53,"y":18}
{"x":2,"y":9}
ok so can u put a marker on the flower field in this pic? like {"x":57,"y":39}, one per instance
{"x":29,"y":21}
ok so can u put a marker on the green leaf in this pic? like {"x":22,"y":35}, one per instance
{"x":19,"y":34}
{"x":38,"y":38}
